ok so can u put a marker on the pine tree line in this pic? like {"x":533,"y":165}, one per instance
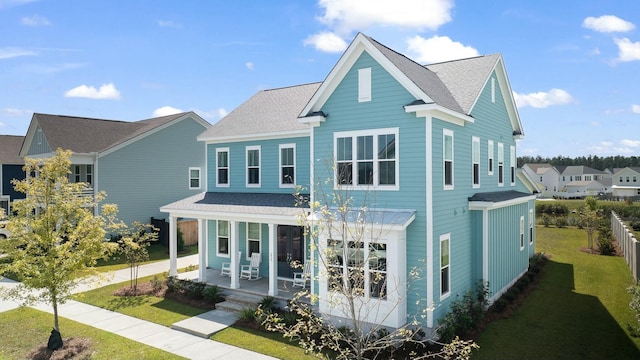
{"x":593,"y":161}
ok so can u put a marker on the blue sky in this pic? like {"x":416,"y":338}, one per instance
{"x":574,"y":68}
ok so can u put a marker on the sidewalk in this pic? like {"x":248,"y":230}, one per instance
{"x":158,"y":336}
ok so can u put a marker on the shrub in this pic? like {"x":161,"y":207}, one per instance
{"x":466,"y":313}
{"x":247,"y":314}
{"x":546,"y":220}
{"x":561,"y":222}
{"x":635,"y":225}
{"x":156,"y":284}
{"x":173,"y":284}
{"x":211,"y":293}
{"x":499,"y":305}
{"x":268,"y":303}
{"x":635,"y":306}
{"x":193,"y":289}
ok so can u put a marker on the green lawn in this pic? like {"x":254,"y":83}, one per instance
{"x":23,"y":329}
{"x":272,"y":344}
{"x":580,"y":309}
{"x":157,"y":252}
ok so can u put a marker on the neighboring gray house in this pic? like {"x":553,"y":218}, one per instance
{"x":569,"y":181}
{"x":141,"y":165}
{"x":545,"y":176}
{"x":10,"y":168}
{"x":626,"y":182}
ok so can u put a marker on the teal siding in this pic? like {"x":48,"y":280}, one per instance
{"x":39,"y":145}
{"x":269,"y":166}
{"x":153,"y":171}
{"x":215,"y":261}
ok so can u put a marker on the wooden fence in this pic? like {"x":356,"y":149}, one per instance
{"x":189,"y":230}
{"x":628,"y":243}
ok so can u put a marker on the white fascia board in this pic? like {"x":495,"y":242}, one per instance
{"x":230,"y":216}
{"x":314,"y":121}
{"x":481,"y":205}
{"x":255,"y":137}
{"x":439,"y":112}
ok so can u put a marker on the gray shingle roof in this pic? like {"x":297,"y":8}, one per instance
{"x":87,"y":135}
{"x":10,"y":149}
{"x":497,"y":196}
{"x":268,"y":111}
{"x":580,"y":170}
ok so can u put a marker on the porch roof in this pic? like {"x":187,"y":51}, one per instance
{"x":394,"y":219}
{"x":496,"y":199}
{"x":235,"y":205}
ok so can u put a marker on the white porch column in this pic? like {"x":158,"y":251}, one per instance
{"x":173,"y":246}
{"x":273,"y":260}
{"x":233,"y":253}
{"x":202,"y":251}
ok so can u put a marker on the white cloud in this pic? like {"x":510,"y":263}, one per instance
{"x":635,"y":108}
{"x":326,"y":42}
{"x":35,"y":20}
{"x":14,"y":112}
{"x":165,"y":111}
{"x":543,"y":99}
{"x":214,"y":114}
{"x":11,"y":52}
{"x":607,"y":24}
{"x":169,"y":24}
{"x":345,"y":16}
{"x":249,"y":65}
{"x":438,"y":49}
{"x":627,"y":50}
{"x":106,"y":91}
{"x":630,"y":143}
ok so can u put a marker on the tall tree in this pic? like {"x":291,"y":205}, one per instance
{"x":55,"y":236}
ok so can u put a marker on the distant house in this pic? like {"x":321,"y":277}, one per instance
{"x":569,"y":181}
{"x":626,"y":182}
{"x":10,"y":168}
{"x":432,"y":147}
{"x":141,"y":165}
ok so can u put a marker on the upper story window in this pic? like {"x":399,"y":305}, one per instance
{"x":367,"y":158}
{"x":521,"y":232}
{"x":512,"y":164}
{"x":578,"y":178}
{"x":490,"y":157}
{"x":530,"y":226}
{"x":500,"y":164}
{"x":194,"y":178}
{"x":475,"y":154}
{"x":82,"y":173}
{"x":364,"y":84}
{"x":287,"y":165}
{"x":222,"y":167}
{"x":253,"y":166}
{"x":447,"y":156}
{"x":587,"y":177}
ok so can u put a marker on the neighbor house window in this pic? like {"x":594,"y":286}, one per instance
{"x":194,"y":178}
{"x":4,"y":206}
{"x":367,"y":158}
{"x":530,"y":226}
{"x":500,"y":164}
{"x":364,"y":85}
{"x":521,"y":232}
{"x":447,"y":155}
{"x":222,"y":246}
{"x":77,"y":174}
{"x":512,"y":164}
{"x":287,"y":165}
{"x":353,"y":263}
{"x":89,"y":169}
{"x":253,"y":166}
{"x":475,"y":154}
{"x":445,"y":278}
{"x":222,"y":167}
{"x":490,"y":156}
{"x":253,"y":239}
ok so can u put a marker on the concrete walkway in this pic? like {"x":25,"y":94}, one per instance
{"x":177,"y":342}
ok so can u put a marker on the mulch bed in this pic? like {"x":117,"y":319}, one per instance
{"x":147,"y":288}
{"x":72,"y":348}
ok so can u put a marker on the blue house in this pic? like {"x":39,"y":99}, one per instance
{"x":140,"y":165}
{"x":10,"y":168}
{"x":429,"y":150}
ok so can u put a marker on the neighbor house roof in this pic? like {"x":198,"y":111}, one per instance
{"x":579,"y":170}
{"x":539,"y":168}
{"x":10,"y":149}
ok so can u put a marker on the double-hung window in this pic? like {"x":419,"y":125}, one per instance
{"x":512,"y":164}
{"x":521,"y":232}
{"x":500,"y":164}
{"x":287,"y":165}
{"x":447,"y":156}
{"x":194,"y":178}
{"x":222,"y":247}
{"x":445,"y":261}
{"x":253,"y":238}
{"x":490,"y":157}
{"x":475,"y":154}
{"x":366,"y":159}
{"x":222,"y":167}
{"x":253,"y":166}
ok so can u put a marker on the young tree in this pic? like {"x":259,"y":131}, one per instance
{"x":590,"y":218}
{"x":133,"y":245}
{"x":353,"y":267}
{"x":55,"y":236}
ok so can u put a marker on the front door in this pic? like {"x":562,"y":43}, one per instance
{"x":290,"y":248}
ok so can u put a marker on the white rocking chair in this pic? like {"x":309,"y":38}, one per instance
{"x":251,"y":271}
{"x":300,"y":278}
{"x":226,"y":266}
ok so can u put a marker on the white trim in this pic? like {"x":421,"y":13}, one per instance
{"x":475,"y":153}
{"x":218,"y":253}
{"x":429,"y":216}
{"x":219,"y":150}
{"x":522,"y":241}
{"x":247,"y":239}
{"x":199,"y":178}
{"x":531,"y":220}
{"x":246,"y":158}
{"x":491,"y":161}
{"x":481,"y":205}
{"x":439,"y":112}
{"x":255,"y":137}
{"x":445,"y":237}
{"x":493,"y":89}
{"x":500,"y":156}
{"x":445,"y":186}
{"x":512,"y":165}
{"x":485,"y":245}
{"x":364,"y":84}
{"x":280,"y":166}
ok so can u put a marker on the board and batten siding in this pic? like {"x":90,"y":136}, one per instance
{"x":39,"y":145}
{"x":269,"y":165}
{"x":153,"y":171}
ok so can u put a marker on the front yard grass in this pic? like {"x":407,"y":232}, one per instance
{"x":23,"y":329}
{"x":157,"y":252}
{"x":580,"y":309}
{"x":272,"y":344}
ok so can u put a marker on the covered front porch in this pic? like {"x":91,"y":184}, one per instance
{"x":232,"y":227}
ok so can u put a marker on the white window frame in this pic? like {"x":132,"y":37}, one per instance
{"x":259,"y":166}
{"x":512,"y":165}
{"x":199,"y":178}
{"x":7,"y":211}
{"x":258,"y":239}
{"x":219,"y":237}
{"x":218,"y":167}
{"x":445,"y":237}
{"x":281,"y":167}
{"x":375,"y":160}
{"x":364,"y":84}
{"x":521,"y":233}
{"x":88,"y":174}
{"x":530,"y":226}
{"x":493,"y":90}
{"x":500,"y":164}
{"x":475,"y":162}
{"x":490,"y":158}
{"x":445,"y":133}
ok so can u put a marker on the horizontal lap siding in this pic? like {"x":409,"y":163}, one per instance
{"x":153,"y":171}
{"x":215,"y":261}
